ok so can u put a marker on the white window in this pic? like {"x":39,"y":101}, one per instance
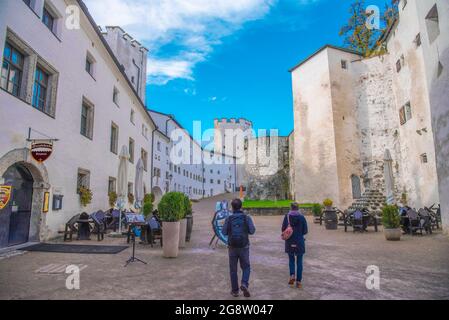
{"x":115,"y":96}
{"x":424,"y":158}
{"x":83,"y":179}
{"x":433,"y":24}
{"x":114,"y":138}
{"x":87,"y":119}
{"x":132,"y":116}
{"x":405,"y":113}
{"x":90,"y":64}
{"x":131,"y":150}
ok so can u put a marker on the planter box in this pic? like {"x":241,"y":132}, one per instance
{"x":393,"y":234}
{"x":170,"y":239}
{"x":182,"y":233}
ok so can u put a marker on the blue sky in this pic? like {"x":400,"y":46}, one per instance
{"x":219,"y":58}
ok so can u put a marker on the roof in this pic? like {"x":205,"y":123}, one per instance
{"x":114,"y":58}
{"x":327,"y":46}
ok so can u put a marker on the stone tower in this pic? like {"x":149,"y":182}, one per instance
{"x":131,"y":55}
{"x":231,"y":138}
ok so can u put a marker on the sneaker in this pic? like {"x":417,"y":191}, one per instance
{"x":245,"y":291}
{"x":235,"y":294}
{"x":299,"y":285}
{"x":292,"y":281}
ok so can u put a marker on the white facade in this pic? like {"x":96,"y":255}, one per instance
{"x":349,"y":110}
{"x":197,"y":172}
{"x":63,"y":53}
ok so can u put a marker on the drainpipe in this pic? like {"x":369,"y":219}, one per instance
{"x":152,"y":158}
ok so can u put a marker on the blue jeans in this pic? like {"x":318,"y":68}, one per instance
{"x":291,"y":257}
{"x":236,"y":255}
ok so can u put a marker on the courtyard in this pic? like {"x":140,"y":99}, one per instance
{"x":335,"y":264}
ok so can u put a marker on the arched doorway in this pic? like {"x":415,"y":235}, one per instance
{"x":15,"y":218}
{"x":157,"y":192}
{"x":29,"y":180}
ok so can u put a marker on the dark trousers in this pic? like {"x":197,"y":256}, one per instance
{"x":298,"y":257}
{"x":237,"y":255}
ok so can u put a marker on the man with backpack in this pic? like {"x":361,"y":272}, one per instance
{"x":238,"y":227}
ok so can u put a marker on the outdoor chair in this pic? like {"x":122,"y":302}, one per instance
{"x":154,"y":230}
{"x":114,"y":220}
{"x":435,"y":216}
{"x":358,"y":221}
{"x":414,"y":222}
{"x":70,"y":228}
{"x":99,"y":224}
{"x":426,"y":220}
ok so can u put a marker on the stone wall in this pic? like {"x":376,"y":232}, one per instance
{"x":268,"y":181}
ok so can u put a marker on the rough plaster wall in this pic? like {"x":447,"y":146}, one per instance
{"x":291,"y":150}
{"x":347,"y":135}
{"x":440,"y":114}
{"x":434,"y":52}
{"x":409,"y":85}
{"x":378,"y":121}
{"x":274,"y":184}
{"x":314,"y":142}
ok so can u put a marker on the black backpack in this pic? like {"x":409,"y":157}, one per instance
{"x":238,"y":231}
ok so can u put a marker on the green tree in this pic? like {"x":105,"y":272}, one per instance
{"x":358,"y":35}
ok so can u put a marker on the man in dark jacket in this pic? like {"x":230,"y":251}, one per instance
{"x":295,"y":246}
{"x":238,"y":227}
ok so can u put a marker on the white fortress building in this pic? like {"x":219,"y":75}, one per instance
{"x":348,"y":110}
{"x":232,"y":137}
{"x":83,"y":89}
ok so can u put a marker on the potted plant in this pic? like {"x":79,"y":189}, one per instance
{"x":112,"y":198}
{"x":317,"y":211}
{"x":85,"y":196}
{"x":189,"y":217}
{"x":171,"y":209}
{"x":183,"y":223}
{"x":330,"y":215}
{"x":392,"y":223}
{"x":148,"y":206}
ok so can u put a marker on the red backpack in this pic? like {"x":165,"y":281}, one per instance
{"x":288,"y":232}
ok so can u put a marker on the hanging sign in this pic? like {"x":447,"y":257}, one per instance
{"x":5,"y":196}
{"x":41,"y":150}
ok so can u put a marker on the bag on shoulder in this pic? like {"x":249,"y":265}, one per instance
{"x":238,"y":233}
{"x":288,"y":232}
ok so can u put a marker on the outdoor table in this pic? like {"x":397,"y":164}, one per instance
{"x":84,"y":229}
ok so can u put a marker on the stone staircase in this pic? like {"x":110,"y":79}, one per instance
{"x":373,"y":200}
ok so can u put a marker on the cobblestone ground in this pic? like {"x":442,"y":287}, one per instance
{"x":335,"y":264}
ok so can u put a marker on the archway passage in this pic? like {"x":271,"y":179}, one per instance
{"x":16,"y":216}
{"x":157,"y":192}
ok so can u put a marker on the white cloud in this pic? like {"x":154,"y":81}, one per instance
{"x":191,"y":27}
